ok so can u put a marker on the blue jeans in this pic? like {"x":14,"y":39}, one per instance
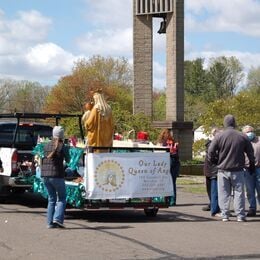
{"x":252,"y":186}
{"x":214,"y":208}
{"x":56,"y":199}
{"x":175,"y":167}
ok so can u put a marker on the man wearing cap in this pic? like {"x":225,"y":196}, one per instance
{"x":253,"y":180}
{"x":53,"y":173}
{"x":227,"y":151}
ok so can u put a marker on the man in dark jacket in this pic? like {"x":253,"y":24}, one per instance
{"x":227,"y":151}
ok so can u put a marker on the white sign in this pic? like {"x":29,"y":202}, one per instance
{"x":128,"y":175}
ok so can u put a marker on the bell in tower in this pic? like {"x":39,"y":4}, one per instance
{"x":162,"y":27}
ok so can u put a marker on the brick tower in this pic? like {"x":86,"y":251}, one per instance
{"x":172,"y":14}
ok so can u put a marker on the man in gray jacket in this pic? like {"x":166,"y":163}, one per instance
{"x":227,"y":151}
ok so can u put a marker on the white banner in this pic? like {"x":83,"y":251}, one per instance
{"x":128,"y":175}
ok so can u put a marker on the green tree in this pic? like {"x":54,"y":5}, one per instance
{"x":244,"y":106}
{"x":141,"y":122}
{"x":5,"y":87}
{"x":236,"y":74}
{"x":22,"y":96}
{"x":197,"y":91}
{"x":114,"y":71}
{"x":225,"y":75}
{"x":253,"y":79}
{"x":159,"y":105}
{"x":195,"y":78}
{"x":122,"y":118}
{"x":110,"y":71}
{"x":194,"y":107}
{"x":218,"y":74}
{"x":72,"y":91}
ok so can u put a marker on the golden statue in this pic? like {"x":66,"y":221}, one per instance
{"x":99,"y":123}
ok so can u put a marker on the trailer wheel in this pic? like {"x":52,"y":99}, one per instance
{"x":151,"y":212}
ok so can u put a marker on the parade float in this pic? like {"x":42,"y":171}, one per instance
{"x":106,"y":174}
{"x":131,"y":174}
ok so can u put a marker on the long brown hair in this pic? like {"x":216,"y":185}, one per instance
{"x":164,"y":136}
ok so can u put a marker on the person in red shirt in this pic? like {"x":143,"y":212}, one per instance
{"x":166,"y":139}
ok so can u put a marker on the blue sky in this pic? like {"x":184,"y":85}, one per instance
{"x":41,"y":39}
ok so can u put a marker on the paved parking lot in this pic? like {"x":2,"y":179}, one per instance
{"x":181,"y":232}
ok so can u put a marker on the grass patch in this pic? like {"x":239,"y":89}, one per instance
{"x":192,"y":184}
{"x":190,"y":180}
{"x":198,"y":189}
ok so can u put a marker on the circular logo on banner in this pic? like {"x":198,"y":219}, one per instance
{"x":109,"y":176}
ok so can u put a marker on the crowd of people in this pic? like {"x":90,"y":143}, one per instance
{"x":232,"y":164}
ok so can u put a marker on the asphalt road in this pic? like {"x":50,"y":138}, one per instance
{"x":181,"y":232}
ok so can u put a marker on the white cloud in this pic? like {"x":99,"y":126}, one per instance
{"x":159,"y":75}
{"x":109,"y":13}
{"x":159,"y":69}
{"x":28,"y":27}
{"x":240,"y":16}
{"x":107,"y":43}
{"x":111,"y":29}
{"x":43,"y":62}
{"x":50,"y":57}
{"x":24,"y":54}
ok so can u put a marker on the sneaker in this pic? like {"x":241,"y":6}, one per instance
{"x":206,"y":208}
{"x":251,"y":213}
{"x":225,"y":219}
{"x":58,"y":224}
{"x":241,"y":219}
{"x":51,"y":226}
{"x":216,"y":215}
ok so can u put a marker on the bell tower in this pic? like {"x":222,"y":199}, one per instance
{"x":172,"y":14}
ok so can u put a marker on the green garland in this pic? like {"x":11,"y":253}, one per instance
{"x":75,"y":154}
{"x":75,"y":194}
{"x":39,"y":187}
{"x":38,"y":150}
